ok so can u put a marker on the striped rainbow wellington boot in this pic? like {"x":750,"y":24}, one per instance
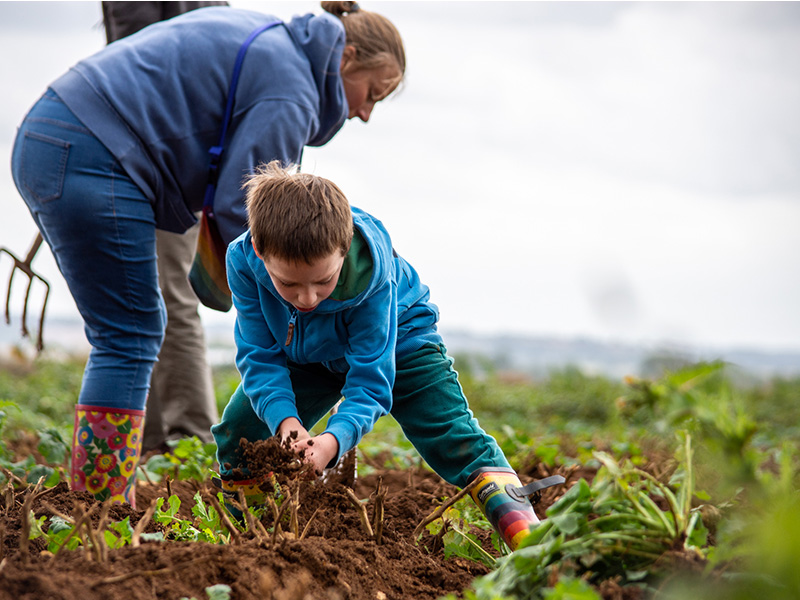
{"x":255,"y":492}
{"x":106,"y":445}
{"x":511,"y":515}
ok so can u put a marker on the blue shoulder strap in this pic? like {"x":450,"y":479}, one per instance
{"x":215,"y":152}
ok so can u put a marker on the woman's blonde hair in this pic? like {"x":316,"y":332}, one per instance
{"x":296,"y":216}
{"x":376,"y":40}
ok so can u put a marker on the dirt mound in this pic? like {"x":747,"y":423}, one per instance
{"x":322,"y":551}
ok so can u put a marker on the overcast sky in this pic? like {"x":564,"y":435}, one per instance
{"x":620,"y":171}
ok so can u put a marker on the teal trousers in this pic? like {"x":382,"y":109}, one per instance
{"x":428,"y":403}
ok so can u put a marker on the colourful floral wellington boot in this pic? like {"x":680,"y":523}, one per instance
{"x":510,"y":514}
{"x":106,"y":445}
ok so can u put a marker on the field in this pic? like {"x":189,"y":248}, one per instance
{"x":683,"y":486}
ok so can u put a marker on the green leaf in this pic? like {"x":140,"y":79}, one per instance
{"x":698,"y":537}
{"x":702,"y":495}
{"x":113,"y":540}
{"x":37,"y":471}
{"x":35,"y":526}
{"x":165,"y":517}
{"x":569,"y":523}
{"x":218,"y":592}
{"x":52,"y":446}
{"x":123,"y":529}
{"x":571,"y":589}
{"x":57,"y":532}
{"x":576,"y":497}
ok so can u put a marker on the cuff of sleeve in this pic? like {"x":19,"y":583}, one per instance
{"x":346,"y":437}
{"x":279,"y":410}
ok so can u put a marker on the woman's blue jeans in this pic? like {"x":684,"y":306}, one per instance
{"x":102,"y":232}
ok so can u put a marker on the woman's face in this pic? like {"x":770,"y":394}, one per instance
{"x":364,"y":88}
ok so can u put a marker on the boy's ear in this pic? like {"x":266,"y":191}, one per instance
{"x":252,"y":241}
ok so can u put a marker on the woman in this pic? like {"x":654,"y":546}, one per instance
{"x":118,"y":147}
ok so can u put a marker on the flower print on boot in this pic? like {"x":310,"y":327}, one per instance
{"x":106,"y":445}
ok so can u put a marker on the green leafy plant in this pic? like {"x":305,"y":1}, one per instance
{"x":613,"y":528}
{"x":51,"y":446}
{"x":570,"y":588}
{"x":453,"y":527}
{"x":702,"y":401}
{"x":188,"y":458}
{"x":206,"y":527}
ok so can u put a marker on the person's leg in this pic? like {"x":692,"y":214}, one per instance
{"x":101,"y":230}
{"x":181,"y":401}
{"x":433,"y":412}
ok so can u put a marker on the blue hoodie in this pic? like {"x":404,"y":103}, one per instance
{"x":359,"y":336}
{"x":156,"y":100}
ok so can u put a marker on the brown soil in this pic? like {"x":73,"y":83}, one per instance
{"x":336,"y":559}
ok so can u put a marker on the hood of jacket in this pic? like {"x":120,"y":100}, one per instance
{"x":322,"y":39}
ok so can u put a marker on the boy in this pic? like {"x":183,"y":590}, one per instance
{"x":326,"y":309}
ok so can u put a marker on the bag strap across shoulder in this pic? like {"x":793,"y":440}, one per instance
{"x":215,"y":152}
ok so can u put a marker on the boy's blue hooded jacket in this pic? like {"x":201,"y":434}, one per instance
{"x":359,"y":336}
{"x":156,"y":100}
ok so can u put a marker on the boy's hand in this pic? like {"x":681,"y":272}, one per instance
{"x":320,"y":450}
{"x":289,"y":426}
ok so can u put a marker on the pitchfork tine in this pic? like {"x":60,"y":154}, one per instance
{"x":25,"y":267}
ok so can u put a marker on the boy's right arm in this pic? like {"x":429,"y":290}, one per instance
{"x":259,"y":357}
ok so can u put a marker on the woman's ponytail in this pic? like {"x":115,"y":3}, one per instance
{"x":339,"y":9}
{"x":375,"y":38}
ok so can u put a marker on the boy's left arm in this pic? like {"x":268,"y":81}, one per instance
{"x":372,"y":330}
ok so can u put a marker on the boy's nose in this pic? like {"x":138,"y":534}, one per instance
{"x":306,"y":298}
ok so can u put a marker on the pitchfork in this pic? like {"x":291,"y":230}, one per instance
{"x":25,"y":267}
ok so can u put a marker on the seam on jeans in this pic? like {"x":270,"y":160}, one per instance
{"x":128,"y":290}
{"x":58,"y":123}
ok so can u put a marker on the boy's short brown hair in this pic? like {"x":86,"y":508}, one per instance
{"x":296,"y":216}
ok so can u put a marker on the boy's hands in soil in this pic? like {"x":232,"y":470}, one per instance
{"x":319,"y":450}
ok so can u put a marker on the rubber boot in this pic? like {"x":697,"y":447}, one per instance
{"x":511,"y":516}
{"x":255,"y":492}
{"x":106,"y":445}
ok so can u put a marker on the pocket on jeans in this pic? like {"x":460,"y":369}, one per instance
{"x":44,"y":163}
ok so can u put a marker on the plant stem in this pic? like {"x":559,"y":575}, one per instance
{"x":489,"y":558}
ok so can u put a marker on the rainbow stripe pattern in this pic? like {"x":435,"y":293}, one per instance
{"x":255,"y":492}
{"x":511,"y":517}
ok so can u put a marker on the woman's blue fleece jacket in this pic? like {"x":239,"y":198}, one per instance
{"x":156,"y":100}
{"x":360,"y":336}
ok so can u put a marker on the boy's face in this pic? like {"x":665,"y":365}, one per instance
{"x":305,"y":285}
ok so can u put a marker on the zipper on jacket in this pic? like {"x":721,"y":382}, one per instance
{"x":290,"y":333}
